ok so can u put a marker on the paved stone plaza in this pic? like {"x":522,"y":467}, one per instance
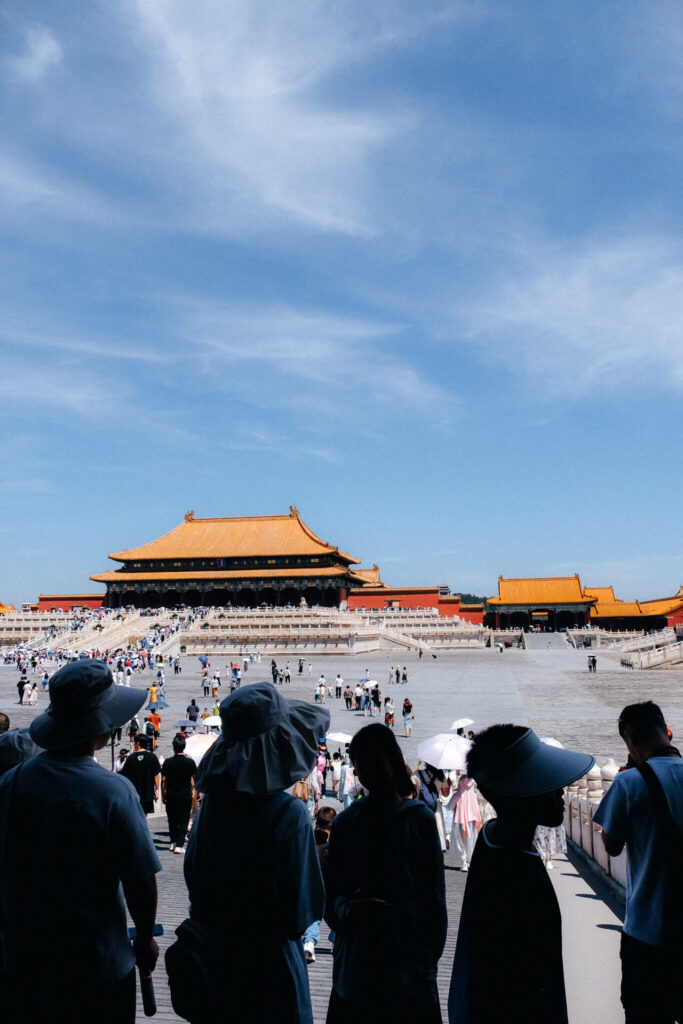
{"x":548,"y":687}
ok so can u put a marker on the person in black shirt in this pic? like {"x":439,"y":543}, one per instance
{"x":142,"y":769}
{"x":177,"y":783}
{"x":192,"y":711}
{"x":508,"y":959}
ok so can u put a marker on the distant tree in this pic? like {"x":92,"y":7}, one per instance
{"x":471,"y":598}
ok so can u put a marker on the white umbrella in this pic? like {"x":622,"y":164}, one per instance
{"x":462,"y":723}
{"x":339,"y":737}
{"x":212,"y":722}
{"x":445,"y":751}
{"x":197,"y":746}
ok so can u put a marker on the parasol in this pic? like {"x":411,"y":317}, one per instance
{"x":445,"y":751}
{"x":339,"y":737}
{"x":462,"y":723}
{"x":197,"y":746}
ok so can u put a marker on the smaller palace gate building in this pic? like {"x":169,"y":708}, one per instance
{"x":550,"y":603}
{"x":242,"y":561}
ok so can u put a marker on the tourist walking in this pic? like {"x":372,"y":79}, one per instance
{"x":508,"y":959}
{"x":321,"y":833}
{"x":404,"y":675}
{"x":376,"y":698}
{"x":76,"y":836}
{"x":338,"y":685}
{"x":408,"y":717}
{"x":271,"y":888}
{"x":177,"y":787}
{"x":385,"y":895}
{"x":389,"y":708}
{"x":643,"y":811}
{"x":467,"y":820}
{"x":142,"y":768}
{"x":348,"y":698}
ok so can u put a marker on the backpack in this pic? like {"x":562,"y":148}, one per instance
{"x":149,"y":728}
{"x":301,"y":791}
{"x":427,"y":795}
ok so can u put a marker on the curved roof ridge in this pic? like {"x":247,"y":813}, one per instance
{"x":235,"y":536}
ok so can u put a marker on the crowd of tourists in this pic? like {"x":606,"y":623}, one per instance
{"x":74,"y":836}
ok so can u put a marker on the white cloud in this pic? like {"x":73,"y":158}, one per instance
{"x":589,"y":318}
{"x":42,"y":53}
{"x":246,"y":86}
{"x":333,"y":354}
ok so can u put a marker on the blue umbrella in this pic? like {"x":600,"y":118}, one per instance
{"x":203,"y":658}
{"x":185,"y":724}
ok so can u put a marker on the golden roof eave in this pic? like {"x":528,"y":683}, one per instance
{"x":119,"y":576}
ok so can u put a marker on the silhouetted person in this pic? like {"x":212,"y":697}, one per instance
{"x":76,"y":835}
{"x":260,"y":837}
{"x":385,"y":894}
{"x":508,"y":958}
{"x":643,"y":810}
{"x":177,"y":783}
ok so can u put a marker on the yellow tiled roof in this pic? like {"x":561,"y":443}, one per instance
{"x":610,"y":607}
{"x":540,"y":591}
{"x":601,"y":593}
{"x":236,"y":537}
{"x":616,"y":609}
{"x":369,"y":577}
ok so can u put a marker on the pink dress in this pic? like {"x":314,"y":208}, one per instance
{"x":467,"y":806}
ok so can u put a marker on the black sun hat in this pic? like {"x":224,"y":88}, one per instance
{"x":84,"y":702}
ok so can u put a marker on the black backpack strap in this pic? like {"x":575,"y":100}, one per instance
{"x":672,"y":856}
{"x":670,"y":830}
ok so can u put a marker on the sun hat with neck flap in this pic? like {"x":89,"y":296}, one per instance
{"x":84,"y":703}
{"x":267,"y":742}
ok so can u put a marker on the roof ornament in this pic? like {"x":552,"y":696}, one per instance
{"x":189,"y":516}
{"x":294,"y":511}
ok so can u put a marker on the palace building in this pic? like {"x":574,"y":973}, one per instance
{"x":244,"y":561}
{"x":558,"y":602}
{"x":553,"y":602}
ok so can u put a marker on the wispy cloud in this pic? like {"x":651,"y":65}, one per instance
{"x":335,"y":352}
{"x":247,"y":89}
{"x":42,"y":52}
{"x":590,"y":317}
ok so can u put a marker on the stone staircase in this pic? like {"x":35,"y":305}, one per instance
{"x":659,"y":657}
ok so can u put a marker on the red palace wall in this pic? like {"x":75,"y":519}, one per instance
{"x":414,"y":597}
{"x":65,"y":602}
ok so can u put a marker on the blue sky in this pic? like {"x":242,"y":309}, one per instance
{"x":415,"y":268}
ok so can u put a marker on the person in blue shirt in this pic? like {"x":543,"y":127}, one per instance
{"x":79,"y":836}
{"x":271,"y":887}
{"x":652,"y":939}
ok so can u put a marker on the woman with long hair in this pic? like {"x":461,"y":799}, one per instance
{"x":385,"y":894}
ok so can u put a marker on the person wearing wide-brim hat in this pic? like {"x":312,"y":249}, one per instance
{"x":508,"y":960}
{"x":79,"y":834}
{"x":270,"y":889}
